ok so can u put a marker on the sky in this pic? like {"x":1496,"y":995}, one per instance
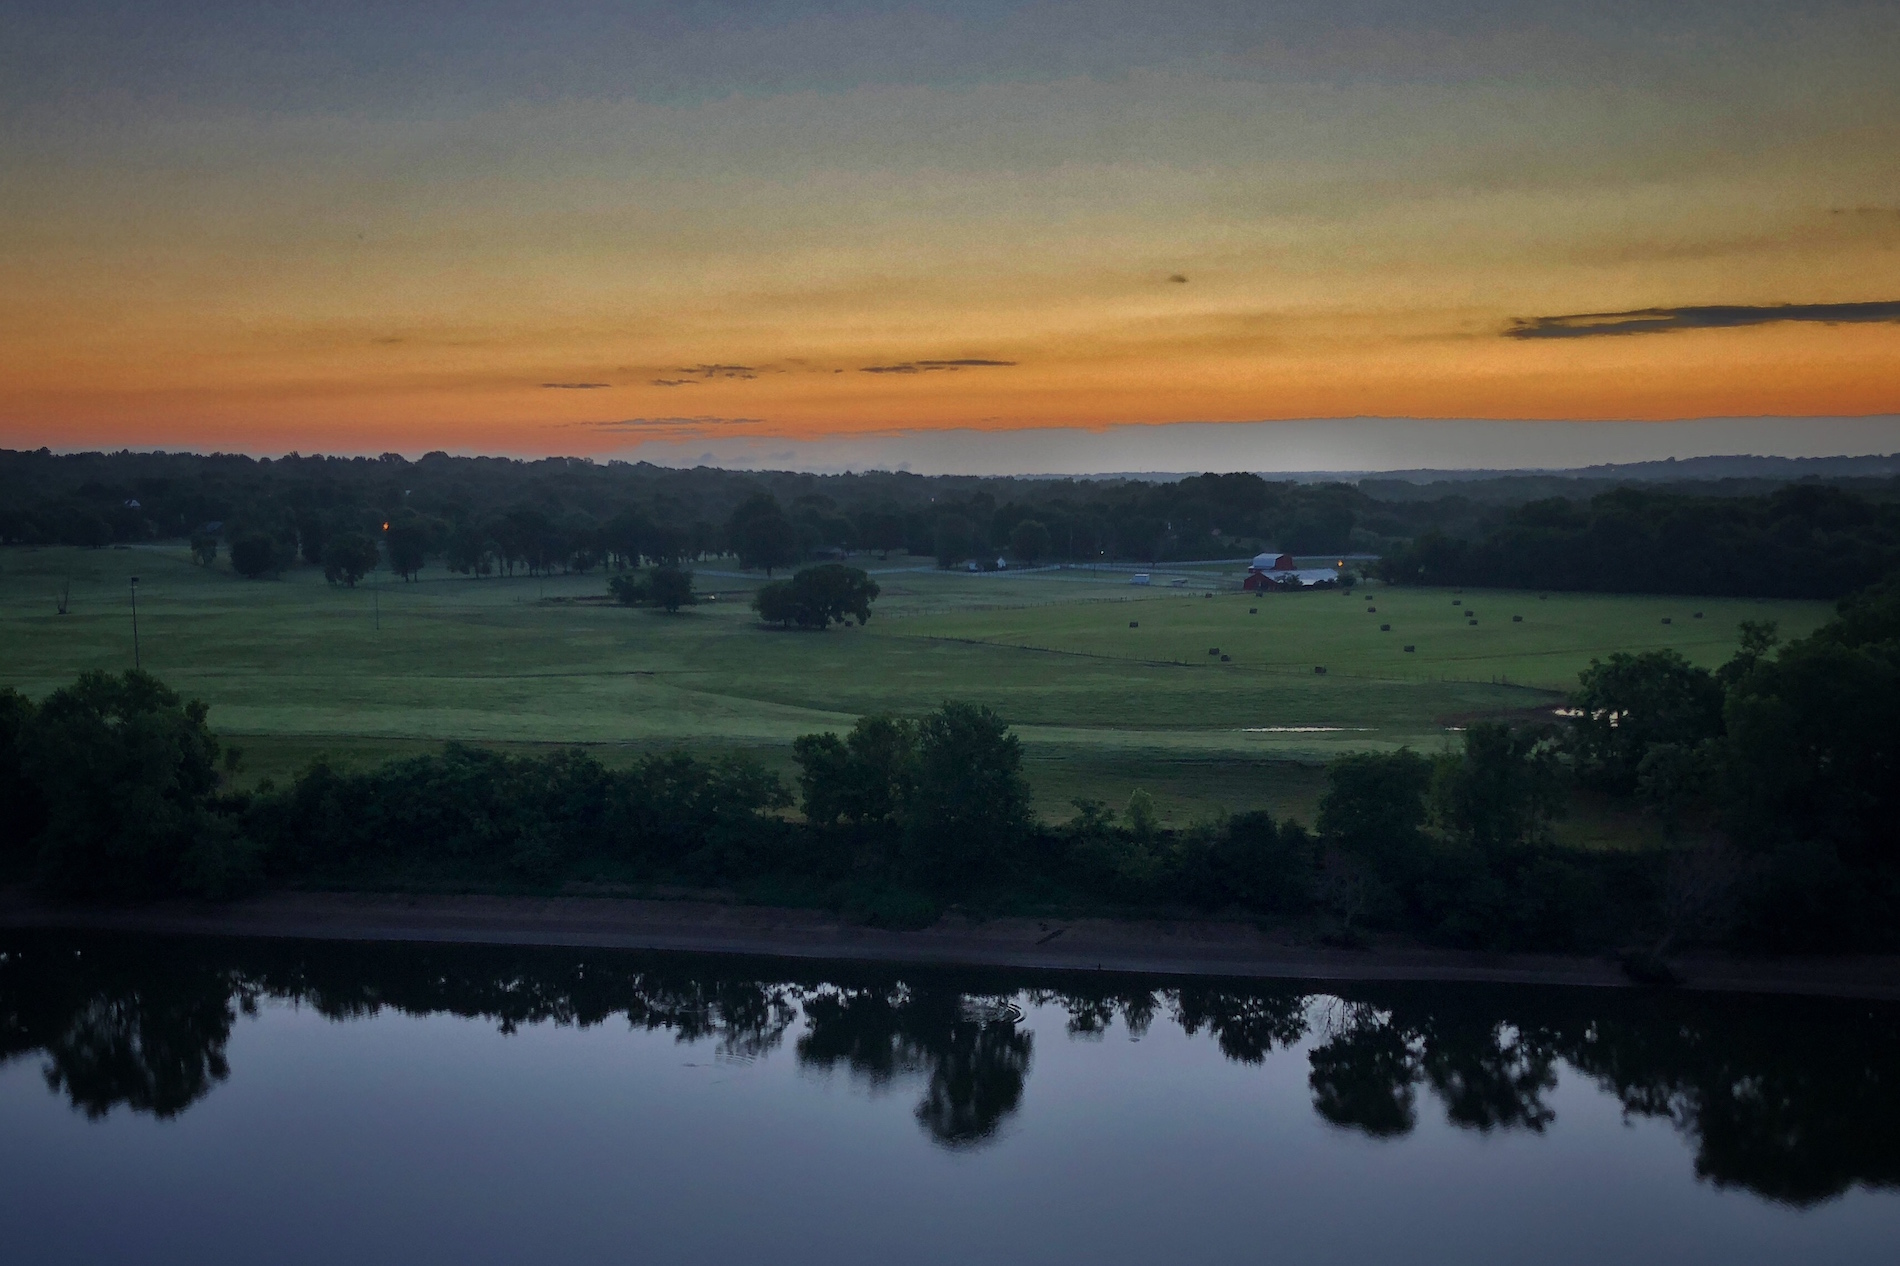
{"x":971,"y":235}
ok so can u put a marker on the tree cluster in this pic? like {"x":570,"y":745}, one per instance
{"x":666,"y":587}
{"x":817,"y":597}
{"x":1802,"y":541}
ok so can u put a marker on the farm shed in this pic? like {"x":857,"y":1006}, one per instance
{"x":1280,"y":571}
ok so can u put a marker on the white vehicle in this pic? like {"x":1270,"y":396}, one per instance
{"x":1140,"y":578}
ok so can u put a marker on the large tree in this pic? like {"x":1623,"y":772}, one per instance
{"x":409,"y":537}
{"x":126,"y":771}
{"x":255,"y":554}
{"x":1029,"y":541}
{"x":1629,"y":702}
{"x":817,"y":597}
{"x":761,"y":534}
{"x":969,"y":811}
{"x":348,"y":558}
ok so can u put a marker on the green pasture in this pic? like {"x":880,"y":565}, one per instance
{"x":294,"y":666}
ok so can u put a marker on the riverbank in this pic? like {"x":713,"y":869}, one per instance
{"x":1156,"y":947}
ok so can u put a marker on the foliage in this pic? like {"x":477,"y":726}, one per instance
{"x":256,"y":554}
{"x":761,"y":535}
{"x":126,"y":773}
{"x":521,"y":817}
{"x":667,"y":587}
{"x":1633,"y":701}
{"x":1375,"y":805}
{"x":777,"y":603}
{"x":1801,"y":541}
{"x":1502,"y":791}
{"x":348,"y":557}
{"x":672,"y":588}
{"x":1029,"y":540}
{"x":1811,"y":745}
{"x":953,"y":540}
{"x":22,"y":810}
{"x":817,"y":597}
{"x":411,"y":538}
{"x":865,"y":779}
{"x":968,"y":813}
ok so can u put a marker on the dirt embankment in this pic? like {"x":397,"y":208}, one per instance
{"x":1141,"y":946}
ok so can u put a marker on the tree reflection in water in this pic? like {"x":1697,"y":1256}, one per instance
{"x":967,"y":1048}
{"x":1796,"y":1100}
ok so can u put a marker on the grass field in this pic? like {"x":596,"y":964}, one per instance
{"x":294,"y":666}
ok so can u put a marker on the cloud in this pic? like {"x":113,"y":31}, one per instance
{"x":673,"y":382}
{"x":1179,"y":279}
{"x":932,"y":366}
{"x":648,"y":424}
{"x":710,"y":372}
{"x":575,"y":386}
{"x":1711,"y":317}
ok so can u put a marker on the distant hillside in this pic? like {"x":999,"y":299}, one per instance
{"x":1711,"y":476}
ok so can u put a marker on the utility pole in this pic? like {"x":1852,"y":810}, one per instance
{"x":376,"y":600}
{"x":135,"y":623}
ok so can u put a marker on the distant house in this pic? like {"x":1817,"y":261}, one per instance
{"x":1280,"y":571}
{"x":1139,"y":578}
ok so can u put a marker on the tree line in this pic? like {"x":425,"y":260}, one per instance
{"x":485,"y":516}
{"x":1802,"y":541}
{"x":1774,"y":778}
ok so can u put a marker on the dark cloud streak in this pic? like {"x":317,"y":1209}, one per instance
{"x":1710,"y":317}
{"x":575,"y":386}
{"x":932,"y":366}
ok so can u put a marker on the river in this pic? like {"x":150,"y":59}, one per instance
{"x":208,"y":1101}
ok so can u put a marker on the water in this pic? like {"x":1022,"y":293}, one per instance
{"x":217,"y":1101}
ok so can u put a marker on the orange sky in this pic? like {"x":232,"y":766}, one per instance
{"x":1207,"y":223}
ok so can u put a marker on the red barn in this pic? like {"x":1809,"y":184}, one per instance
{"x":1264,"y":569}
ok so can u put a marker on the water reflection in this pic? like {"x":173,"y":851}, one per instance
{"x":1796,"y":1100}
{"x":967,"y":1047}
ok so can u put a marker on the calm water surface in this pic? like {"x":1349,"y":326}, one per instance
{"x":216,"y":1101}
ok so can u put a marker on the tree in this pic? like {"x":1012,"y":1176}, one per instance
{"x":671,"y":588}
{"x":254,"y":554}
{"x":1502,"y":791}
{"x":204,"y":548}
{"x":631,"y":589}
{"x":777,"y":603}
{"x":1811,"y":747}
{"x":881,"y":530}
{"x":1372,"y":820}
{"x":1029,"y":541}
{"x":408,"y":536}
{"x":865,"y":779}
{"x":817,"y":597}
{"x":468,"y":551}
{"x":832,"y":592}
{"x":955,"y":539}
{"x":1375,"y":803}
{"x":127,"y":772}
{"x":1632,"y":701}
{"x":312,"y":535}
{"x":761,"y":534}
{"x":625,"y":538}
{"x":24,"y":811}
{"x":969,"y":813}
{"x":348,"y":558}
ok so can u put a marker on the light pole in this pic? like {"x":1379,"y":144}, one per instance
{"x":135,"y":623}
